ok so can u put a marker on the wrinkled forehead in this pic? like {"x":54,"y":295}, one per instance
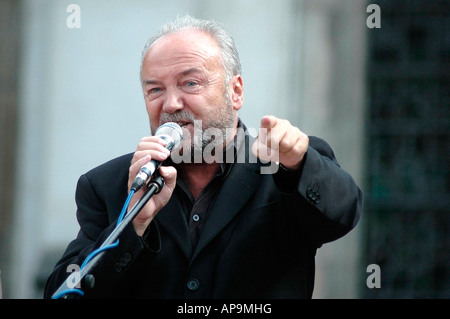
{"x":189,"y":43}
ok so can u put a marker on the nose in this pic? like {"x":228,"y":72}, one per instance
{"x":173,"y":101}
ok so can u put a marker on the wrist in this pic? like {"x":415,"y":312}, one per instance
{"x":140,"y":228}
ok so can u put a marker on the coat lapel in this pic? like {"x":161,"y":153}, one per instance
{"x":239,"y":186}
{"x":171,"y":217}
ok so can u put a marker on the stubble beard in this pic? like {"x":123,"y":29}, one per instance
{"x":209,"y":134}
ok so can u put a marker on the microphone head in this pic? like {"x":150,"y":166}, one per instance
{"x":170,"y":130}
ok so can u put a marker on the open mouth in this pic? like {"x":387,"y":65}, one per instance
{"x":183,"y":124}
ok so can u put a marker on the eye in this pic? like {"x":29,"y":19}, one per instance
{"x":154,"y":90}
{"x":153,"y":93}
{"x":191,"y":84}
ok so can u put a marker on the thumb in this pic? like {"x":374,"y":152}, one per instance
{"x":170,"y":176}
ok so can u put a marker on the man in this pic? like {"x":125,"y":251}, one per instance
{"x":218,"y":228}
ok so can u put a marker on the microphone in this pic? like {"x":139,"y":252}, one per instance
{"x":170,"y":132}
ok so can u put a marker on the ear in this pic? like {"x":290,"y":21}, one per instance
{"x":237,"y":92}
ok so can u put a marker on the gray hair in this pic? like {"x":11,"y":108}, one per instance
{"x":228,"y":52}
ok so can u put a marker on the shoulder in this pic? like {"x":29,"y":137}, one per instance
{"x":105,"y":186}
{"x":112,"y":172}
{"x":117,"y":164}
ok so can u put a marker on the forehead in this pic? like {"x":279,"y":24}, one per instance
{"x":183,"y":47}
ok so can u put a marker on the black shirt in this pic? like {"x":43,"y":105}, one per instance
{"x":196,"y":210}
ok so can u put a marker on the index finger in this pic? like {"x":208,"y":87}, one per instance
{"x":154,"y":139}
{"x":268,"y":121}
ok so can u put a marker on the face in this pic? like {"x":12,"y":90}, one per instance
{"x":183,"y":82}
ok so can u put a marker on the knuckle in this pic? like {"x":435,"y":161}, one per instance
{"x":286,"y":122}
{"x":285,"y":143}
{"x":306,"y":139}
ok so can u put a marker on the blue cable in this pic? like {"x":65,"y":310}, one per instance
{"x":116,"y":243}
{"x":99,"y":250}
{"x":68,"y":291}
{"x":125,"y":206}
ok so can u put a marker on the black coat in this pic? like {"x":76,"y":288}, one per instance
{"x":259,"y":241}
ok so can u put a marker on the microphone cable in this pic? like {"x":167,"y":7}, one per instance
{"x":99,"y":250}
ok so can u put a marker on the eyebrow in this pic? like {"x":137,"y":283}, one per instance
{"x":147,"y":82}
{"x":183,"y":73}
{"x":191,"y":70}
